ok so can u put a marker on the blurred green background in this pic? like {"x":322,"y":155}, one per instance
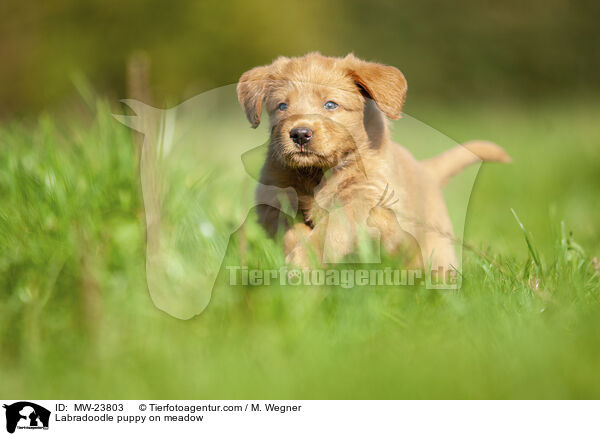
{"x":76,"y":319}
{"x":468,"y":50}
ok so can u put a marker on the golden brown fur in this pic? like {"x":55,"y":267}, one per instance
{"x":350,"y":177}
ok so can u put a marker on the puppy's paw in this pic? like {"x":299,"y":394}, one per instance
{"x":298,"y":258}
{"x":295,"y":236}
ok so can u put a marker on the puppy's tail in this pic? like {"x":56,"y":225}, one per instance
{"x":451,"y":162}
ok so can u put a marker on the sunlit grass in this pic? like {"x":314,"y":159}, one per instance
{"x":76,"y":319}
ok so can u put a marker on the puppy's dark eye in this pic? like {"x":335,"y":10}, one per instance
{"x":282,"y":106}
{"x":330,"y":105}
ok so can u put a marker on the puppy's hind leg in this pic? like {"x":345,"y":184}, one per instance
{"x":395,"y":239}
{"x":439,"y":257}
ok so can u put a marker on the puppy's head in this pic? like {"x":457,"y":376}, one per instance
{"x":321,"y":108}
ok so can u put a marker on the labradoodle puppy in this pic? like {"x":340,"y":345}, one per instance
{"x":330,"y":142}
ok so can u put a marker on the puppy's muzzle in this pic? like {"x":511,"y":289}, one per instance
{"x":301,"y":135}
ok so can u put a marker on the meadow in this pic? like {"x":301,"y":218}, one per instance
{"x":77,"y":321}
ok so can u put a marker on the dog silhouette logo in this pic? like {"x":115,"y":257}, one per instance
{"x":26,"y":415}
{"x":201,"y":170}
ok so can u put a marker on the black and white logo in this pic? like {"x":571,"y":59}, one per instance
{"x":26,"y":415}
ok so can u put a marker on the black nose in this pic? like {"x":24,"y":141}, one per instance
{"x":301,"y":135}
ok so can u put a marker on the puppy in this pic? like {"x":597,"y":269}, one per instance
{"x":330,"y":142}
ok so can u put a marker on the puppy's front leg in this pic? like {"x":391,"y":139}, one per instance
{"x":332,"y":238}
{"x":272,"y":212}
{"x":295,"y":236}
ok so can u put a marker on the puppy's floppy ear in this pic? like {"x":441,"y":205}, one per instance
{"x":251,"y":92}
{"x":384,"y":84}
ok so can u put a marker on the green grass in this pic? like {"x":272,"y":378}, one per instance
{"x":76,"y":319}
